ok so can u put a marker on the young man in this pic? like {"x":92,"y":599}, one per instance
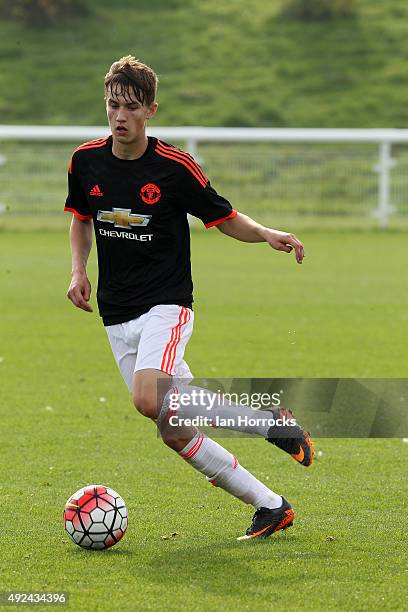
{"x":135,"y":192}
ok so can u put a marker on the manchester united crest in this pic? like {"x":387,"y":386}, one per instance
{"x":150,"y":193}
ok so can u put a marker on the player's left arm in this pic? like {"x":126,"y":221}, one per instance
{"x":246,"y":229}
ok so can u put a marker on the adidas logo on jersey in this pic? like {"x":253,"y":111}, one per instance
{"x":95,"y":191}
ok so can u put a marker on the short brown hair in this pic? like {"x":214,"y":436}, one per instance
{"x":130,"y":75}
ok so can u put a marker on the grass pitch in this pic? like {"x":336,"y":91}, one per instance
{"x":67,"y":421}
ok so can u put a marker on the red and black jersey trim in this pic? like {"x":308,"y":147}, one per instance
{"x":182,"y":158}
{"x":77,"y":214}
{"x":91,"y":144}
{"x":232,"y":214}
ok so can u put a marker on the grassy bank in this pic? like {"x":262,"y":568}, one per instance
{"x":219,"y":63}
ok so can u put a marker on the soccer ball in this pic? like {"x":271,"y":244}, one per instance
{"x":95,"y":517}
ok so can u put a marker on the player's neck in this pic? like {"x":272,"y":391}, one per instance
{"x":129,"y":151}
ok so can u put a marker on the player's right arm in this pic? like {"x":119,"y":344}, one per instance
{"x":80,"y":235}
{"x":79,"y":291}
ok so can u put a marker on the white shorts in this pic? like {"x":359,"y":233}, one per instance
{"x":156,"y":339}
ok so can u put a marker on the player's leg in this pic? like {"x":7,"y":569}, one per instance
{"x":162,"y":344}
{"x":165,"y":331}
{"x":149,"y":388}
{"x":223,"y":470}
{"x":276,"y":425}
{"x":220,"y":467}
{"x":125,"y":339}
{"x":124,"y":348}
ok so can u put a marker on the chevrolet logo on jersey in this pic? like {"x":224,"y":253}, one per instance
{"x":123,"y":217}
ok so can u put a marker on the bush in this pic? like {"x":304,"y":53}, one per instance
{"x":311,"y":10}
{"x":41,"y":12}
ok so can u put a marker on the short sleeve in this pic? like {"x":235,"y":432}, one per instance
{"x":200,"y":199}
{"x":76,"y":201}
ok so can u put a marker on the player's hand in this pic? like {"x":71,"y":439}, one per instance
{"x":282,"y":241}
{"x":79,"y":292}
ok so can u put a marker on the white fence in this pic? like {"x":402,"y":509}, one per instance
{"x":329,"y":171}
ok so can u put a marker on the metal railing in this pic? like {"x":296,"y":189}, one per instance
{"x":384,"y":139}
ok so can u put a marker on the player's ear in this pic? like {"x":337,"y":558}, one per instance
{"x":151,"y":110}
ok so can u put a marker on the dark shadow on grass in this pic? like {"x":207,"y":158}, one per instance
{"x":117,"y":552}
{"x":226,"y":567}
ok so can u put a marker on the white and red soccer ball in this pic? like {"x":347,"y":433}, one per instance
{"x":95,"y":517}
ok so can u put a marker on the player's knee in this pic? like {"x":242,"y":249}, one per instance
{"x":145,"y":403}
{"x":169,"y":439}
{"x":174,"y":441}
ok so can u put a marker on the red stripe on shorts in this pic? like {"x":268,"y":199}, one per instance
{"x":185,"y":320}
{"x":169,"y":354}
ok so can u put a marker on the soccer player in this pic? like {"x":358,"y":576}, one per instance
{"x":134,"y":193}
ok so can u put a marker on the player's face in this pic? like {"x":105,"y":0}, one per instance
{"x":127,"y":116}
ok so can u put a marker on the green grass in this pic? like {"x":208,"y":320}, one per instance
{"x":219,"y":63}
{"x":343,"y":313}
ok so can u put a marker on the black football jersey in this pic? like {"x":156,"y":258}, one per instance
{"x":139,"y":210}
